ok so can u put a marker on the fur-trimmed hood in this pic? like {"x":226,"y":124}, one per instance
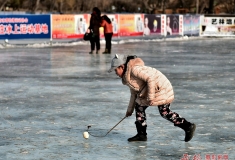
{"x":130,"y":65}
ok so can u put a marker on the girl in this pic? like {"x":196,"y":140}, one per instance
{"x":148,"y":87}
{"x":108,"y":33}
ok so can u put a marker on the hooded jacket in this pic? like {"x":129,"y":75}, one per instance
{"x":146,"y":84}
{"x":108,"y":28}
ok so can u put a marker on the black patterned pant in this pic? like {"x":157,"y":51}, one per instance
{"x":140,"y":114}
{"x":164,"y":111}
{"x":173,"y":117}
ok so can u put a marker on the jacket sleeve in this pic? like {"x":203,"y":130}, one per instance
{"x":148,"y":76}
{"x":102,"y":24}
{"x":92,"y":22}
{"x":90,"y":26}
{"x":131,"y":105}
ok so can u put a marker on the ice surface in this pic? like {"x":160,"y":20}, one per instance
{"x":49,"y":95}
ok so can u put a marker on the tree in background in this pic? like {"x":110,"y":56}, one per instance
{"x":227,"y":6}
{"x":211,"y":6}
{"x":3,"y":4}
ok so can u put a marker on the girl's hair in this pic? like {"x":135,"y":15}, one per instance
{"x":106,"y":18}
{"x":128,"y":58}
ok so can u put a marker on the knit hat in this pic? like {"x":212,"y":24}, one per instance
{"x":117,"y":61}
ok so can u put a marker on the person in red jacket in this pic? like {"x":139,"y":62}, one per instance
{"x":148,"y":87}
{"x":108,"y":33}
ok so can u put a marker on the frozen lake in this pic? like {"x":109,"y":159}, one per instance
{"x":49,"y":96}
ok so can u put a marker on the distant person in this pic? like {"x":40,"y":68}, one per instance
{"x":146,"y":27}
{"x":148,"y":87}
{"x":108,"y":33}
{"x":94,"y":28}
{"x":168,"y":27}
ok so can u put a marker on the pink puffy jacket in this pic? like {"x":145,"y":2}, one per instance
{"x":146,"y":84}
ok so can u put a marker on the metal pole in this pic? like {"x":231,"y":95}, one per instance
{"x":108,"y":131}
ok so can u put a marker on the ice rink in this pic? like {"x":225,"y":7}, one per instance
{"x":49,"y":95}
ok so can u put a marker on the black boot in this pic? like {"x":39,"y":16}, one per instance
{"x":189,"y":129}
{"x":141,"y":135}
{"x":91,"y":52}
{"x":107,"y":51}
{"x":138,"y":137}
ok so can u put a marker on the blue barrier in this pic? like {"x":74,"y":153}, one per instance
{"x":25,"y":26}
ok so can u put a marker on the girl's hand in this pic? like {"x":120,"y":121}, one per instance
{"x":128,"y":114}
